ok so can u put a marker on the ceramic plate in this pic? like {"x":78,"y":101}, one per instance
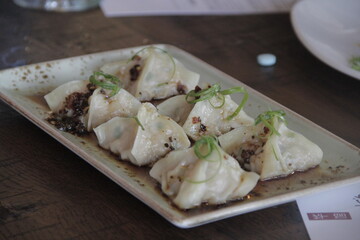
{"x":330,"y":29}
{"x":23,"y":88}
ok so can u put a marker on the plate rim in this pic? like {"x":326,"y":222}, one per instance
{"x":190,"y":221}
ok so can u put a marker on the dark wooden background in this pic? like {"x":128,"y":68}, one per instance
{"x":47,"y":192}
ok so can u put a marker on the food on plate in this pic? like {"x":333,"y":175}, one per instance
{"x":142,"y":139}
{"x":177,"y":108}
{"x":69,"y":104}
{"x":60,"y":98}
{"x":118,"y":135}
{"x":202,"y":146}
{"x":203,"y":173}
{"x":102,"y":108}
{"x":152,"y":73}
{"x":215,"y":113}
{"x":270,"y":148}
{"x":156,"y":136}
{"x":90,"y":103}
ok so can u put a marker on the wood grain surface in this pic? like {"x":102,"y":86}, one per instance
{"x":47,"y":192}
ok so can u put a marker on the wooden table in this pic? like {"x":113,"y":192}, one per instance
{"x":47,"y":192}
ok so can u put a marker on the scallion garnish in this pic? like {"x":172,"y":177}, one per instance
{"x":267,"y":118}
{"x":203,"y":94}
{"x":203,"y":148}
{"x":215,"y":91}
{"x":162,"y":84}
{"x":106,"y":81}
{"x":273,"y":149}
{"x":355,"y":63}
{"x":160,"y":50}
{"x":138,"y":122}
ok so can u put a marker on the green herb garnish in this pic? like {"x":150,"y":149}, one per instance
{"x":273,"y":149}
{"x":203,"y":148}
{"x":355,"y":63}
{"x":203,"y":94}
{"x":138,"y":122}
{"x":160,"y":50}
{"x":106,"y":81}
{"x":162,"y":84}
{"x":215,"y":91}
{"x":267,"y":118}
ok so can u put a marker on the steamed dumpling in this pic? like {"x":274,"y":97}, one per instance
{"x":56,"y":99}
{"x":177,"y":108}
{"x":204,"y":119}
{"x":153,"y":74}
{"x":243,"y":142}
{"x":142,"y":139}
{"x":125,"y":70}
{"x":160,"y":135}
{"x":156,"y":80}
{"x":271,"y":155}
{"x":102,"y":108}
{"x":190,"y":181}
{"x":118,"y":135}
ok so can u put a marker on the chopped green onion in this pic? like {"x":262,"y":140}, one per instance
{"x":138,"y":122}
{"x":355,"y":63}
{"x":267,"y":118}
{"x":207,"y":141}
{"x":273,"y":149}
{"x":161,"y":50}
{"x":203,"y":148}
{"x":162,"y":84}
{"x":203,"y":94}
{"x":243,"y":101}
{"x":215,"y":90}
{"x":219,"y":97}
{"x":109,"y":82}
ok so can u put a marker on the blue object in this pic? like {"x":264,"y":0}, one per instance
{"x":266,"y":59}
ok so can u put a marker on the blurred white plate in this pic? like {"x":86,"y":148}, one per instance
{"x":330,"y":29}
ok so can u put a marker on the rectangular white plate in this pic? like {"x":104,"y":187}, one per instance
{"x":23,"y":88}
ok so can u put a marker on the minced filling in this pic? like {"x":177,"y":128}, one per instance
{"x":251,"y":148}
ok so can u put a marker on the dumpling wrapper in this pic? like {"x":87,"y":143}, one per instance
{"x":157,"y":79}
{"x":191,"y":181}
{"x":115,"y":68}
{"x":121,"y":69}
{"x":204,"y":119}
{"x":118,"y":135}
{"x":56,"y":98}
{"x":279,"y":156}
{"x":177,"y":108}
{"x":161,"y":134}
{"x":103,"y":108}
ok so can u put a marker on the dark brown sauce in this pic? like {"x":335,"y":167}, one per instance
{"x":182,"y":89}
{"x":295,"y":173}
{"x":38,"y":100}
{"x":71,"y":125}
{"x":135,"y":72}
{"x":69,"y":119}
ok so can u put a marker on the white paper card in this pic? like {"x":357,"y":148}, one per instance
{"x":332,"y":215}
{"x":116,"y":8}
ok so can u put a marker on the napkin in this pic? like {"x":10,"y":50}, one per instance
{"x":332,"y":215}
